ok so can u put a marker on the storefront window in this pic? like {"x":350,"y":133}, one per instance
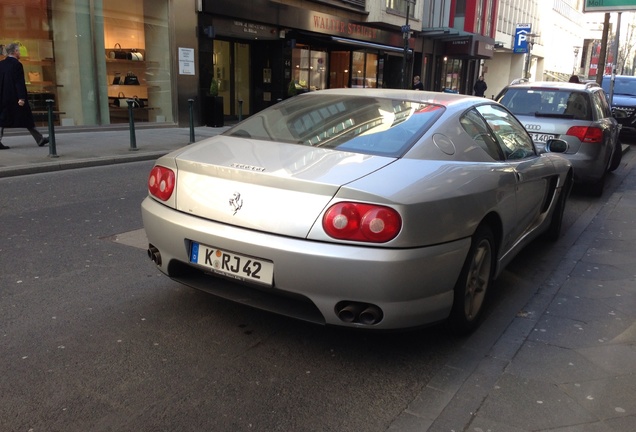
{"x":364,"y":70}
{"x":309,"y":68}
{"x":29,"y":24}
{"x":371,"y":70}
{"x":136,"y":60}
{"x":83,"y":55}
{"x":357,"y":70}
{"x":452,"y":75}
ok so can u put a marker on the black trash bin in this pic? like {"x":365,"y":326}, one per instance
{"x":213,"y":111}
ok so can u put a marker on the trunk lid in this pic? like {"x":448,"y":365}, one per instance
{"x":266,"y":186}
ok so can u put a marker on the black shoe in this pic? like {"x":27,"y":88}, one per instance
{"x":43,"y":142}
{"x":4,"y":147}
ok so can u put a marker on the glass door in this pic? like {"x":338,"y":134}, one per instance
{"x":241,"y":88}
{"x":339,"y":69}
{"x":364,"y":71}
{"x":452,"y":75}
{"x":232,"y":73}
{"x":222,"y":66}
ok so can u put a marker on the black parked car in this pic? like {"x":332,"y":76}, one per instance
{"x":623,"y":103}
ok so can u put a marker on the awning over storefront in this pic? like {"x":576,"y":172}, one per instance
{"x":442,"y":33}
{"x":460,"y":43}
{"x":369,"y":45}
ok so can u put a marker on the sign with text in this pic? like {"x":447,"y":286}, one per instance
{"x":186,"y":61}
{"x":521,"y":39}
{"x":609,"y":5}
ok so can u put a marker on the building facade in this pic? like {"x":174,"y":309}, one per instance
{"x":458,"y":36}
{"x":563,"y":21}
{"x":258,"y":55}
{"x":229,"y":59}
{"x":506,"y":64}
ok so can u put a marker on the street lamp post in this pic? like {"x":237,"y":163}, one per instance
{"x":406,"y":33}
{"x":526,"y":66}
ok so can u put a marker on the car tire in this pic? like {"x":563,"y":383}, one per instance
{"x":473,"y":283}
{"x":554,"y":230}
{"x":617,"y":157}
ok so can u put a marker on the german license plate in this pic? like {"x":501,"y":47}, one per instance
{"x":231,"y":264}
{"x":541,"y":138}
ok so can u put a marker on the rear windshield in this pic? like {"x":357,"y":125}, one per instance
{"x":548,"y":102}
{"x":360,"y":124}
{"x":623,"y":86}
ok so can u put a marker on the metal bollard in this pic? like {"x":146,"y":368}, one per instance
{"x":52,"y":149}
{"x":240,"y":109}
{"x":190,"y":104}
{"x":131,"y":121}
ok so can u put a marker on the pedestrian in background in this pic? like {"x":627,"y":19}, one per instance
{"x":574,"y":79}
{"x":15,"y":111}
{"x":417,"y":84}
{"x":480,"y":86}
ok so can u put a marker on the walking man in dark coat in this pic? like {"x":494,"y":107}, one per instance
{"x":15,"y":111}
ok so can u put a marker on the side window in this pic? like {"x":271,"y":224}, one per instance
{"x":511,"y":135}
{"x":476,"y":127}
{"x":578,"y":106}
{"x":603,"y":105}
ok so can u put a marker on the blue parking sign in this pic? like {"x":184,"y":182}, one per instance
{"x":521,"y":39}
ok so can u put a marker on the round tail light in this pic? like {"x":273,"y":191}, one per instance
{"x":161,"y":182}
{"x":362,"y":222}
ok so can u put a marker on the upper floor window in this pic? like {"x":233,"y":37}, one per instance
{"x":399,"y":7}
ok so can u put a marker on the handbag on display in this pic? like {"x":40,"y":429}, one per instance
{"x":24,"y":52}
{"x":131,"y":79}
{"x":35,"y":77}
{"x":121,"y":100}
{"x":138,"y":103}
{"x":117,"y":78}
{"x":135,"y":55}
{"x":117,"y":53}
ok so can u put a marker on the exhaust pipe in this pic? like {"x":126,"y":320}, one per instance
{"x":359,"y":313}
{"x":350,"y":312}
{"x":154,"y":254}
{"x":371,"y":315}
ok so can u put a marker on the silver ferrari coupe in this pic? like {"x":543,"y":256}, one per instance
{"x":368,"y":208}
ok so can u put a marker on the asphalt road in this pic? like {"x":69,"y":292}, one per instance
{"x":94,"y":338}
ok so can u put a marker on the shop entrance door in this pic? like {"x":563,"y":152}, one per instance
{"x":232,"y":72}
{"x":452,"y":76}
{"x":339,"y":69}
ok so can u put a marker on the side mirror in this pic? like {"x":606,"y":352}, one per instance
{"x":556,"y":146}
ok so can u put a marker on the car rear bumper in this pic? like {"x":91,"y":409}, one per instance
{"x":412,"y":287}
{"x":586,"y":170}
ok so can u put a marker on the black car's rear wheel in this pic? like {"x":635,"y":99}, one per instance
{"x":473,"y":283}
{"x":617,"y":157}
